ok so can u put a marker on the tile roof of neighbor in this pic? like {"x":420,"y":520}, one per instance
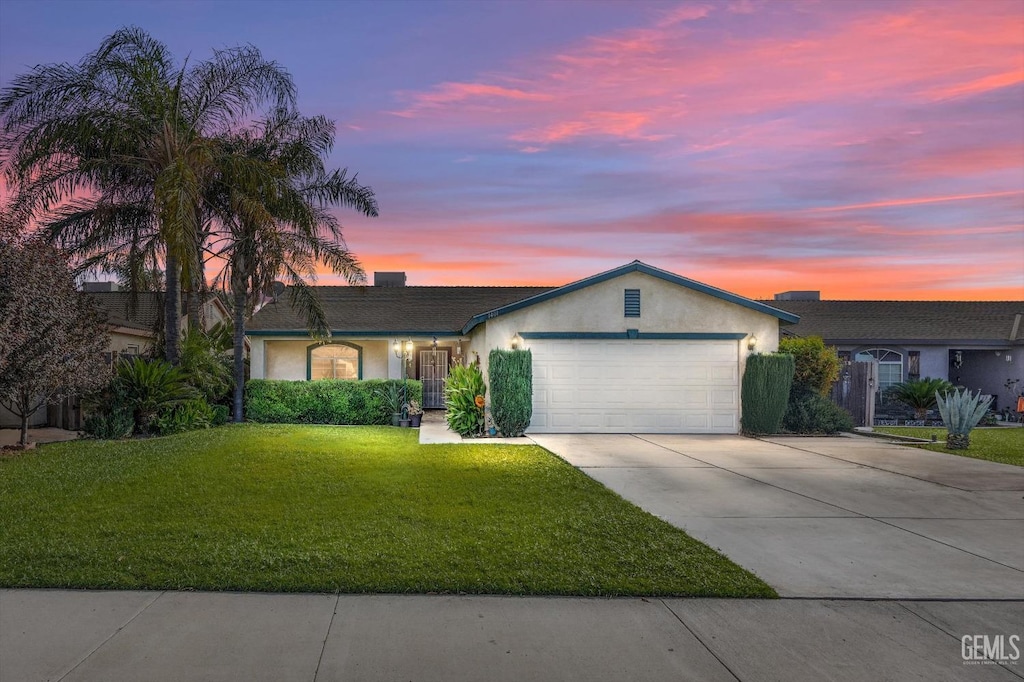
{"x":894,"y":320}
{"x":119,"y":312}
{"x":412,"y":309}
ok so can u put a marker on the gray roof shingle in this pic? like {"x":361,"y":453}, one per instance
{"x":417,"y":309}
{"x":118,"y":309}
{"x":895,"y":320}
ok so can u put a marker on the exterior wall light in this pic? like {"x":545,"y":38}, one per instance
{"x":752,"y":342}
{"x":517,"y":341}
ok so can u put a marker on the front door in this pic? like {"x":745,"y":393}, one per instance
{"x":433,"y":372}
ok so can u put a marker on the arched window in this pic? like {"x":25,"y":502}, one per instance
{"x":890,"y":365}
{"x":338,"y":360}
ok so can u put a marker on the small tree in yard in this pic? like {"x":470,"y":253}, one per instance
{"x":52,"y":337}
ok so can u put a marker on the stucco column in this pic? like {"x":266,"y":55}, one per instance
{"x":257,"y":358}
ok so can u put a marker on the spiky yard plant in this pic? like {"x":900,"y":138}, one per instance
{"x":961,"y":411}
{"x":920,"y":394}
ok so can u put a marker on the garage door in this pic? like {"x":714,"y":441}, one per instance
{"x":635,"y":386}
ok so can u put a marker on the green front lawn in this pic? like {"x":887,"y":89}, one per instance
{"x":997,"y":444}
{"x":324,"y":509}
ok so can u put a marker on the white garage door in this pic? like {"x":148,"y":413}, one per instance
{"x":635,"y":386}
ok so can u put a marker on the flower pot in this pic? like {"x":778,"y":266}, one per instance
{"x":404,"y":423}
{"x":396,"y":417}
{"x":415,"y":419}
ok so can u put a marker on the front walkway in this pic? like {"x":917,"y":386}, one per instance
{"x":847,"y":517}
{"x":43,"y":435}
{"x":90,"y":636}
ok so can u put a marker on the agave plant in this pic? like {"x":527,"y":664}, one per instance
{"x":961,"y":411}
{"x":920,"y":394}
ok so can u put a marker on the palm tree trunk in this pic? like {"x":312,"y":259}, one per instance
{"x":195,"y":300}
{"x":172,"y":310}
{"x":239,"y":331}
{"x":192,"y":305}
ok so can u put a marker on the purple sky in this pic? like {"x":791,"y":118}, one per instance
{"x":866,"y":149}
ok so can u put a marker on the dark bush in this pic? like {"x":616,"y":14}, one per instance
{"x":766,"y":384}
{"x":810,"y":412}
{"x":221,"y":415}
{"x":325,"y":401}
{"x":190,"y":415}
{"x":511,"y":375}
{"x":108,"y":415}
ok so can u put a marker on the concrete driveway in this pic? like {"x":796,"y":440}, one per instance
{"x":827,"y":517}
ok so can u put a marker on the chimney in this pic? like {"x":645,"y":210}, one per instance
{"x":389,"y":279}
{"x":798,"y":296}
{"x":100,"y":287}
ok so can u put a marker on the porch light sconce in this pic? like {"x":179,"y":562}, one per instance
{"x":433,"y":344}
{"x":517,"y":341}
{"x":752,"y":342}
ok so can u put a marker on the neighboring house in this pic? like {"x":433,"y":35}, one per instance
{"x":634,"y":349}
{"x":977,"y":344}
{"x":132,"y":333}
{"x":132,"y":325}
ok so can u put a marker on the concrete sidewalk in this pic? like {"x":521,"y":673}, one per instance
{"x":182,"y":636}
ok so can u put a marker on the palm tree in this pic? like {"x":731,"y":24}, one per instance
{"x":920,"y":394}
{"x":116,"y":151}
{"x":272,"y":205}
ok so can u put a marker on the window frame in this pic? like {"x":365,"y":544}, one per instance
{"x":314,"y":346}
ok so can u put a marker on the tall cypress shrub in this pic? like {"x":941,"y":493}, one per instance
{"x":766,"y":385}
{"x":511,"y":374}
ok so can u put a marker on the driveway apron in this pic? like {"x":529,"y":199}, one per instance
{"x":843,"y":517}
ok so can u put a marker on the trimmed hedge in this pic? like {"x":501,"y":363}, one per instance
{"x":511,"y":374}
{"x":324,"y":401}
{"x":766,"y":384}
{"x":811,"y":413}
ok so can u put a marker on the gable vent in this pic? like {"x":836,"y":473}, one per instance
{"x":632,"y":303}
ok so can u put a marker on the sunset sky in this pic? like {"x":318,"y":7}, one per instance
{"x":867,"y":149}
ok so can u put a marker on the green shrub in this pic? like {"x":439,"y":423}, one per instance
{"x":919,"y":394}
{"x":206,"y":367}
{"x":221,"y":415}
{"x":809,"y":412}
{"x":817,"y":365}
{"x":324,"y":401}
{"x":511,"y":374}
{"x":766,"y":384}
{"x":190,"y":415}
{"x":464,"y":395}
{"x":108,"y":415}
{"x":150,"y":387}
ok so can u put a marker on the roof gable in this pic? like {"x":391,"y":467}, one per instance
{"x":635,"y":266}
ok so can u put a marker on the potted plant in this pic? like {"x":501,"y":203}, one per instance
{"x":415,"y":412}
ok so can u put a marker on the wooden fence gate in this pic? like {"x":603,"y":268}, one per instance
{"x":855,"y":391}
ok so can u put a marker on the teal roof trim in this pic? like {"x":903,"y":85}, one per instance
{"x":634,"y":334}
{"x":635,"y":266}
{"x":336,"y":332}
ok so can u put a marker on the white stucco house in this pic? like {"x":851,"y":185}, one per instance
{"x":634,"y":349}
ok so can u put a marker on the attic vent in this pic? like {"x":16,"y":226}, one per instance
{"x":632,"y":303}
{"x":389,"y":279}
